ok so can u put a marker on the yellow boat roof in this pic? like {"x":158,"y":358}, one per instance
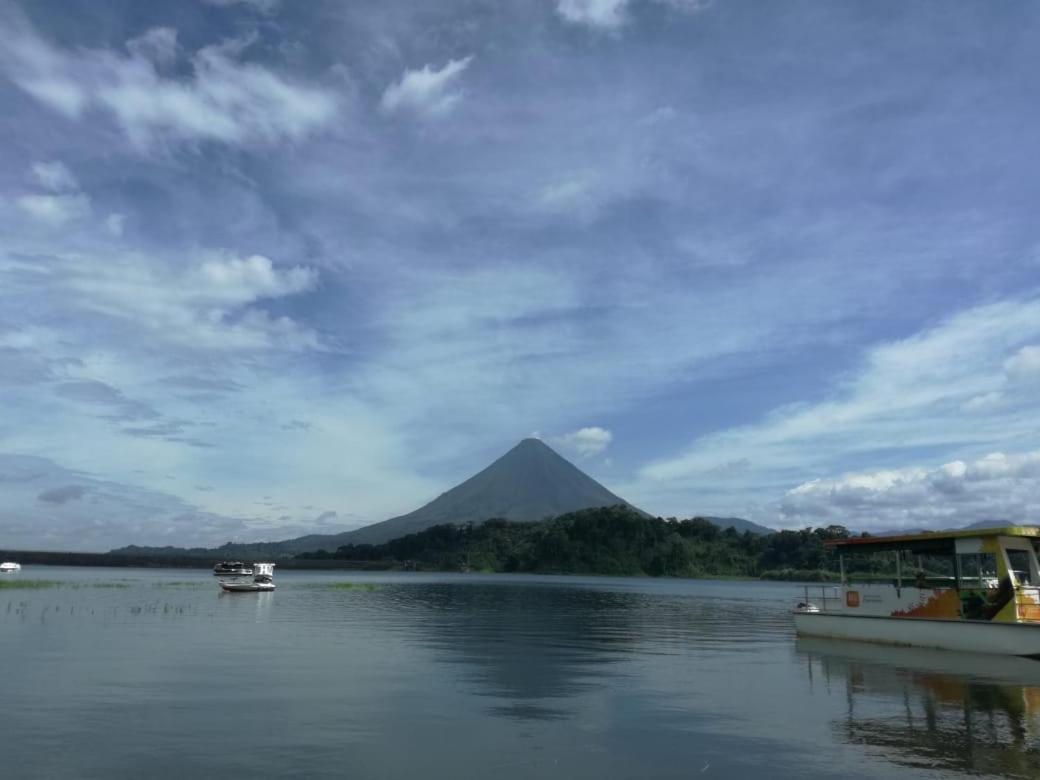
{"x":929,"y":539}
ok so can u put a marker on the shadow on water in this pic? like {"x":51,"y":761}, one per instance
{"x":924,"y":709}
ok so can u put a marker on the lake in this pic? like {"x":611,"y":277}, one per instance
{"x":128,"y":672}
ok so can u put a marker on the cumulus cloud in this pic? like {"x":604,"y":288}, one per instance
{"x":115,"y":223}
{"x":241,"y":280}
{"x":54,"y":176}
{"x":263,"y":6}
{"x":607,"y":14}
{"x":62,"y":495}
{"x":585,"y":441}
{"x":426,"y":92}
{"x":159,"y":45}
{"x":1024,"y":363}
{"x":999,"y":486}
{"x":613,"y":14}
{"x":55,"y":210}
{"x":209,"y":306}
{"x":945,"y":387}
{"x":63,"y":203}
{"x":218,"y":97}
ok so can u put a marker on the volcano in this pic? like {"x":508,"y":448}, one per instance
{"x":530,"y":482}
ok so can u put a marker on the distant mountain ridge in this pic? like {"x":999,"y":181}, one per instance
{"x":529,"y":483}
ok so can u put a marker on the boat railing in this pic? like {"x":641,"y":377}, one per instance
{"x":822,"y":596}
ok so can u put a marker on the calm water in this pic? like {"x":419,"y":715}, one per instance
{"x":441,"y":676}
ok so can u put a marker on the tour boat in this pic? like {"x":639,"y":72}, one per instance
{"x":232,"y":568}
{"x":7,"y":566}
{"x":262,"y":580}
{"x":986,"y":598}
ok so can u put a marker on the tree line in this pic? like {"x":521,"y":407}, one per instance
{"x":610,"y":540}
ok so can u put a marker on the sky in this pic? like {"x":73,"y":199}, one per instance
{"x":273,"y":268}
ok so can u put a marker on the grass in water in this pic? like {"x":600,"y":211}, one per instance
{"x":34,"y":584}
{"x":369,"y":586}
{"x":182,"y":585}
{"x":27,"y":584}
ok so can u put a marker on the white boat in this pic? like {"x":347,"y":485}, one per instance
{"x":262,"y":580}
{"x":987,"y":600}
{"x":232,"y":569}
{"x":8,"y":566}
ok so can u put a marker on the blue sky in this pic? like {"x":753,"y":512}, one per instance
{"x":272,"y":268}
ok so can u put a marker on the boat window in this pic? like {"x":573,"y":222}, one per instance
{"x":1019,"y":562}
{"x":933,"y":571}
{"x":978,"y":570}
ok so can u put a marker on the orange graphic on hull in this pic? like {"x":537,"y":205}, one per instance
{"x":941,"y":604}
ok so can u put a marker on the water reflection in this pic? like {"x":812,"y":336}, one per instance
{"x":974,"y":714}
{"x":535,"y":649}
{"x":529,"y":648}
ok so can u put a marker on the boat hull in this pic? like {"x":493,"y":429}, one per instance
{"x":971,"y":636}
{"x":246,"y":587}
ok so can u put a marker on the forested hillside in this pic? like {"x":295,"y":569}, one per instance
{"x":610,"y":540}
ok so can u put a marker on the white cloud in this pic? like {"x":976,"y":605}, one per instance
{"x":158,"y":45}
{"x":1024,"y":363}
{"x":55,"y":210}
{"x":943,"y":388}
{"x":585,"y":441}
{"x":606,"y":14}
{"x":45,"y":73}
{"x":54,"y":176}
{"x":115,"y":223}
{"x":223,"y":99}
{"x":64,"y":203}
{"x":263,"y":6}
{"x":579,"y":195}
{"x":426,"y":92}
{"x":243,"y":280}
{"x":613,"y":14}
{"x":998,"y":486}
{"x":985,"y":401}
{"x":209,"y":306}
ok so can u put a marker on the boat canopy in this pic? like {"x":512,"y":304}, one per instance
{"x":930,"y":543}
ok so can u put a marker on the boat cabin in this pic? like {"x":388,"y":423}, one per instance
{"x":988,"y":574}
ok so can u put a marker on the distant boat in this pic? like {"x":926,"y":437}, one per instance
{"x":232,"y":569}
{"x":263,"y":580}
{"x":10,"y":567}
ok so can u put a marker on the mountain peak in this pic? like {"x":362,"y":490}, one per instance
{"x":530,"y":482}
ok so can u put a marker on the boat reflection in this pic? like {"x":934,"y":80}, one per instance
{"x":938,"y":710}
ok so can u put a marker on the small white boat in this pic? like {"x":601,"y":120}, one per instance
{"x":232,"y":569}
{"x":985,"y":599}
{"x":8,"y":566}
{"x":262,"y":580}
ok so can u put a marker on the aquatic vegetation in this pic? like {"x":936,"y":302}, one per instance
{"x":182,"y":584}
{"x":366,"y":586}
{"x":20,"y":584}
{"x":28,"y":584}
